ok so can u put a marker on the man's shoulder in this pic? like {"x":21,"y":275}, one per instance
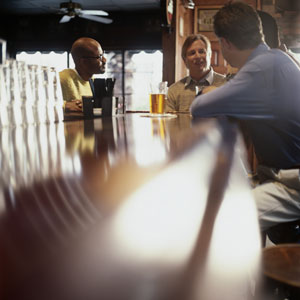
{"x":67,"y":73}
{"x":179,"y":83}
{"x":273,"y":58}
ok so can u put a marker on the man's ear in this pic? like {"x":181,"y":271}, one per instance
{"x":185,"y":63}
{"x":226,"y":43}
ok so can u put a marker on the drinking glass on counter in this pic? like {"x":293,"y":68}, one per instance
{"x":48,"y":86}
{"x":29,"y":94}
{"x":4,"y":120}
{"x":25,"y":93}
{"x":158,"y":92}
{"x":58,"y":98}
{"x":13,"y":93}
{"x":38,"y":95}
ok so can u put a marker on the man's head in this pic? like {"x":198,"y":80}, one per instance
{"x":239,"y":29}
{"x":196,"y":53}
{"x":239,"y":23}
{"x":88,"y":57}
{"x":270,"y":29}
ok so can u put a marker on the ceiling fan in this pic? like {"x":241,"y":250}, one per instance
{"x":72,"y":9}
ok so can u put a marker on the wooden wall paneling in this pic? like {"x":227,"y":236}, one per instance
{"x":217,"y":61}
{"x":210,"y":2}
{"x":258,"y":4}
{"x":169,"y":46}
{"x":184,"y":27}
{"x":255,"y":3}
{"x":169,"y":52}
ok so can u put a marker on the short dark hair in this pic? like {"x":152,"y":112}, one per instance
{"x":191,"y":39}
{"x":239,"y":23}
{"x":270,"y":29}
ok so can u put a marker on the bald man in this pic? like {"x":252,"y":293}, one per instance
{"x":89,"y":60}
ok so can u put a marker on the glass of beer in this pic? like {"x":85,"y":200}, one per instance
{"x":158,"y":93}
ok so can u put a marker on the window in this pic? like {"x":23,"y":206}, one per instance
{"x":133,"y":71}
{"x":141,"y":68}
{"x":51,"y":59}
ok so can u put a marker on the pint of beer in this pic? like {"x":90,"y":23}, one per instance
{"x":157,"y":103}
{"x":157,"y":97}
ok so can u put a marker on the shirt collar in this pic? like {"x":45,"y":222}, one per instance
{"x":208,"y":78}
{"x":261,"y":48}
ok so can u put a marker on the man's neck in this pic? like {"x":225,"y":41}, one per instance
{"x":84,"y":75}
{"x":242,"y":57}
{"x":199,"y":76}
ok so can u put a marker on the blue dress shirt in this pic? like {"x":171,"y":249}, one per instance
{"x":265,"y":96}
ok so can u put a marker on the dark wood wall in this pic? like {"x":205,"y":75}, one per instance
{"x":139,"y":30}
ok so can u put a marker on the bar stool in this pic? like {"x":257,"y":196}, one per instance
{"x":281,"y":268}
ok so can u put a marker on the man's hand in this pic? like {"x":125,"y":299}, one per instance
{"x":73,"y":106}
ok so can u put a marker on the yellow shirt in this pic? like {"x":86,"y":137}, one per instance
{"x":73,"y":86}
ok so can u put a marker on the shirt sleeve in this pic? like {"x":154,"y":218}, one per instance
{"x":66,"y":86}
{"x":171,"y":101}
{"x":246,"y":96}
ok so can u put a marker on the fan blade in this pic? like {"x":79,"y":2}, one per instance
{"x":95,"y":18}
{"x":94,"y":12}
{"x":65,"y":19}
{"x":62,"y":11}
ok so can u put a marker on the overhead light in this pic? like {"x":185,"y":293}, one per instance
{"x":188,"y":4}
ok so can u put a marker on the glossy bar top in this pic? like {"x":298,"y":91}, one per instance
{"x":281,"y":263}
{"x":128,"y":207}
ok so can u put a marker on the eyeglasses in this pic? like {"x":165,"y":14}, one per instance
{"x":95,"y":57}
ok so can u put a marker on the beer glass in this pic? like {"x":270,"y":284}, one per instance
{"x":158,"y":92}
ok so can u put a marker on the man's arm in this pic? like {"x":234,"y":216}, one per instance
{"x":246,"y":96}
{"x":71,"y":104}
{"x":170,"y":104}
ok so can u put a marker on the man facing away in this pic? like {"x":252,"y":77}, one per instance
{"x":89,"y":60}
{"x":196,"y":54}
{"x":264,"y":96}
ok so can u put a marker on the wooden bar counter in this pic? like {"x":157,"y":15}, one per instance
{"x":127,"y":207}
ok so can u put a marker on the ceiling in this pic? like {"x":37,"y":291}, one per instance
{"x":32,"y":7}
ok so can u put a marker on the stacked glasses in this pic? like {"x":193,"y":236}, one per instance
{"x":29,"y":94}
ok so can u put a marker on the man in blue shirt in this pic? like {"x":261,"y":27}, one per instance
{"x":264,"y":97}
